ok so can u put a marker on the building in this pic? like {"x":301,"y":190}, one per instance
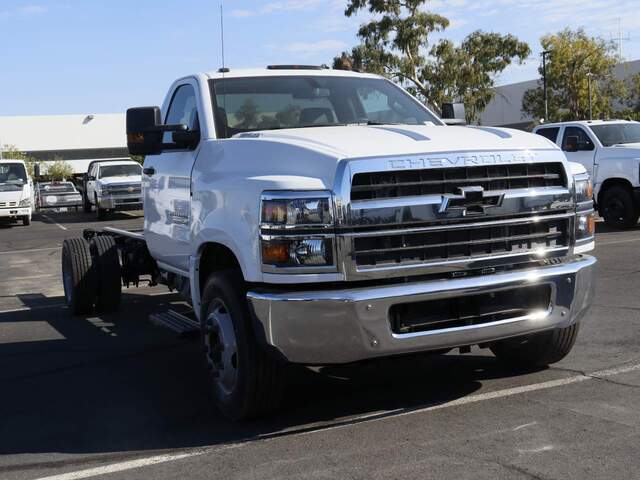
{"x":505,"y":110}
{"x":77,"y":139}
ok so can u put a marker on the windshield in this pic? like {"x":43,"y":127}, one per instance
{"x":49,"y":188}
{"x":269,"y":103}
{"x":617,"y":133}
{"x":120,"y":171}
{"x":12,"y":176}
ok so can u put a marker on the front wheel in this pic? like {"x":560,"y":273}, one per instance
{"x":618,"y":208}
{"x":101,"y":213}
{"x":26,"y":220}
{"x":538,"y":349}
{"x":245,"y":381}
{"x":86,"y":204}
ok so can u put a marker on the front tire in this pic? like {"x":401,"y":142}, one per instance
{"x":26,"y":220}
{"x":245,"y":381}
{"x":536,"y":350}
{"x":78,"y":276}
{"x":618,"y":208}
{"x":86,"y":204}
{"x":101,"y":213}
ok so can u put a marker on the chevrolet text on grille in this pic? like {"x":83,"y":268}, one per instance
{"x":492,"y":159}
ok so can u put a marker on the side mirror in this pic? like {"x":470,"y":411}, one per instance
{"x":145,"y":131}
{"x":144,"y":136}
{"x":36,"y":170}
{"x":454,"y":114}
{"x":571,"y":144}
{"x":186,"y":138}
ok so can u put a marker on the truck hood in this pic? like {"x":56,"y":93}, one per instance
{"x":377,"y":141}
{"x":13,"y":196}
{"x":633,"y":146}
{"x":121,"y":180}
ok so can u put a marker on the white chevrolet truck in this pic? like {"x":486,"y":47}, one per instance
{"x":316,"y":217}
{"x":111,"y":185}
{"x":610,"y":152}
{"x":16,"y":191}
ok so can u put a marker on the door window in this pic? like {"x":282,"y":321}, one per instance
{"x":583,"y":143}
{"x":182,"y":110}
{"x":550,"y":133}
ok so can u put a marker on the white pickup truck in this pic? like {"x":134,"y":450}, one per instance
{"x":111,"y":185}
{"x":315,"y":217}
{"x":610,"y":152}
{"x":16,"y":191}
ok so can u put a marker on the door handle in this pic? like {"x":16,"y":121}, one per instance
{"x":149,"y":171}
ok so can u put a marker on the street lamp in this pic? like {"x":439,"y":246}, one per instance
{"x":544,"y":84}
{"x":589,"y":75}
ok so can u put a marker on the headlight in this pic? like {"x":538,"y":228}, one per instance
{"x":296,"y":212}
{"x":25,"y":202}
{"x":296,"y":232}
{"x":584,"y":189}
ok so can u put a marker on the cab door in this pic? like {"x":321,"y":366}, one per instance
{"x":167,"y":183}
{"x":579,"y":147}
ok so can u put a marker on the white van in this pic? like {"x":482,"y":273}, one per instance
{"x":16,"y":191}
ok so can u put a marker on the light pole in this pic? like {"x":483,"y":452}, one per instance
{"x":589,"y":75}
{"x":544,"y":84}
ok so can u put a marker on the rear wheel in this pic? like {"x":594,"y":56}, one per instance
{"x":106,"y":260}
{"x":78,"y":276}
{"x":245,"y":381}
{"x":618,"y":208}
{"x":536,"y":350}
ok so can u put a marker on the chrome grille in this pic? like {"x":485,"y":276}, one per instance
{"x":440,"y":181}
{"x":459,"y":242}
{"x":8,"y":204}
{"x":125,"y":190}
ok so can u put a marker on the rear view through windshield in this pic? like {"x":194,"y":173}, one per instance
{"x":120,"y":171}
{"x":269,"y":103}
{"x":617,"y":133}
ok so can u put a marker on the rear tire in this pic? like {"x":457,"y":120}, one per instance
{"x":618,"y":208}
{"x":246,"y":382}
{"x":26,"y":220}
{"x":106,"y":261}
{"x":78,"y":276}
{"x":536,"y":350}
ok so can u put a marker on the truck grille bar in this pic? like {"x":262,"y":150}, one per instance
{"x":440,"y":181}
{"x":405,"y":248}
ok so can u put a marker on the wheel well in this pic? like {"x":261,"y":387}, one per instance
{"x":216,"y":257}
{"x":610,"y":182}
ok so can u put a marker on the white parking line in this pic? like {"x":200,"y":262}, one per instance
{"x":508,"y":392}
{"x":54,"y":222}
{"x":30,"y":250}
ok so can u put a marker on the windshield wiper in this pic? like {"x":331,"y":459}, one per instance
{"x":374,"y":123}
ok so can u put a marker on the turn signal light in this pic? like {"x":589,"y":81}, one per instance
{"x":275,"y":252}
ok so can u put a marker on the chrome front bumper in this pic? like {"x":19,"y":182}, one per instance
{"x":340,"y":326}
{"x":111,"y":202}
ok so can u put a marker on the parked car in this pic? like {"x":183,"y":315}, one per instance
{"x":341,"y":221}
{"x":610,"y":152}
{"x":57,"y":195}
{"x":112,"y":185}
{"x":16,"y":191}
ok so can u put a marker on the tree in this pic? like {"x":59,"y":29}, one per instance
{"x":58,"y":170}
{"x":573,"y":57}
{"x":11,"y":152}
{"x":631,"y":101}
{"x":396,"y":44}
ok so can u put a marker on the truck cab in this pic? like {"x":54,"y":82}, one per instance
{"x":314,"y":216}
{"x":16,"y":191}
{"x":610,"y":152}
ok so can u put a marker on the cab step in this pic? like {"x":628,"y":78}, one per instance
{"x":183,"y":324}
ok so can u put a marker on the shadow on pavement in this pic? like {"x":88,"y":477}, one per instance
{"x":113,"y":384}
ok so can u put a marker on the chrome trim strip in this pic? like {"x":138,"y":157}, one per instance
{"x":455,"y":226}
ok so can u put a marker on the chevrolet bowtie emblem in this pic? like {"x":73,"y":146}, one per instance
{"x":470,"y":201}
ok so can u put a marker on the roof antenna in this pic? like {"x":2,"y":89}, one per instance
{"x":222,"y":37}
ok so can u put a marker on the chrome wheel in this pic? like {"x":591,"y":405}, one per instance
{"x":221,"y":347}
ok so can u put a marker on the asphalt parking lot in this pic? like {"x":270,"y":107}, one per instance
{"x":116,"y":397}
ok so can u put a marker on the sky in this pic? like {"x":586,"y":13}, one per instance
{"x":103,"y":56}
